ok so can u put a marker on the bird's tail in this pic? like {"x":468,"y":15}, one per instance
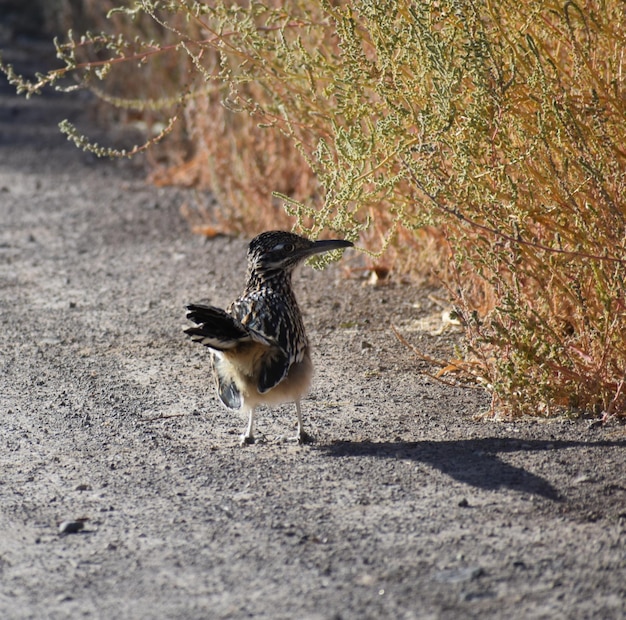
{"x":215,"y":328}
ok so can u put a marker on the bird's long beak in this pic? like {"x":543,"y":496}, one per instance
{"x":325,"y":245}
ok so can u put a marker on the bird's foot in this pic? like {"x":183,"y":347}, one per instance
{"x":301,"y":438}
{"x":305,"y":438}
{"x":246,"y":440}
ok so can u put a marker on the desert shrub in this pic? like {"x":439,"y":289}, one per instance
{"x":498,"y":125}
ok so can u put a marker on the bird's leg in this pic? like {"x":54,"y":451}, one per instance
{"x":302,"y":436}
{"x":248,"y":437}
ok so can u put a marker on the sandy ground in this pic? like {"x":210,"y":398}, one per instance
{"x":405,"y":507}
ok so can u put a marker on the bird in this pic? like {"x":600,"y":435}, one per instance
{"x":259,"y":347}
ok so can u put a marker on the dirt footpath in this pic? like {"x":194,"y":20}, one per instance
{"x":405,"y":507}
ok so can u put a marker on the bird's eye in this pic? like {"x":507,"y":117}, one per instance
{"x":289,"y":247}
{"x":284,"y":247}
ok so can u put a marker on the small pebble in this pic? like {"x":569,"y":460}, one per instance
{"x":72,"y":526}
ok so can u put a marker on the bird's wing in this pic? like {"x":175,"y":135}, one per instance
{"x":226,"y":388}
{"x":215,"y":328}
{"x":275,"y":368}
{"x":257,"y":314}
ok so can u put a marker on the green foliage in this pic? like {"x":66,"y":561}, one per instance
{"x":501,"y":124}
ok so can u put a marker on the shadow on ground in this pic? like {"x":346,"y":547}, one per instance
{"x":474,"y":462}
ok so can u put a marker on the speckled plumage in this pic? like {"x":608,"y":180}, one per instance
{"x":259,"y":345}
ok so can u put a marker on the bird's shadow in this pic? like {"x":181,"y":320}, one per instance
{"x":474,"y":462}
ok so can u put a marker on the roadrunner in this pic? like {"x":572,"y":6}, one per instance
{"x":259,"y":346}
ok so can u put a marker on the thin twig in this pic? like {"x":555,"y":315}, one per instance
{"x":458,"y":215}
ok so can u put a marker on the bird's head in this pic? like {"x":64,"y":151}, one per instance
{"x":282,"y":251}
